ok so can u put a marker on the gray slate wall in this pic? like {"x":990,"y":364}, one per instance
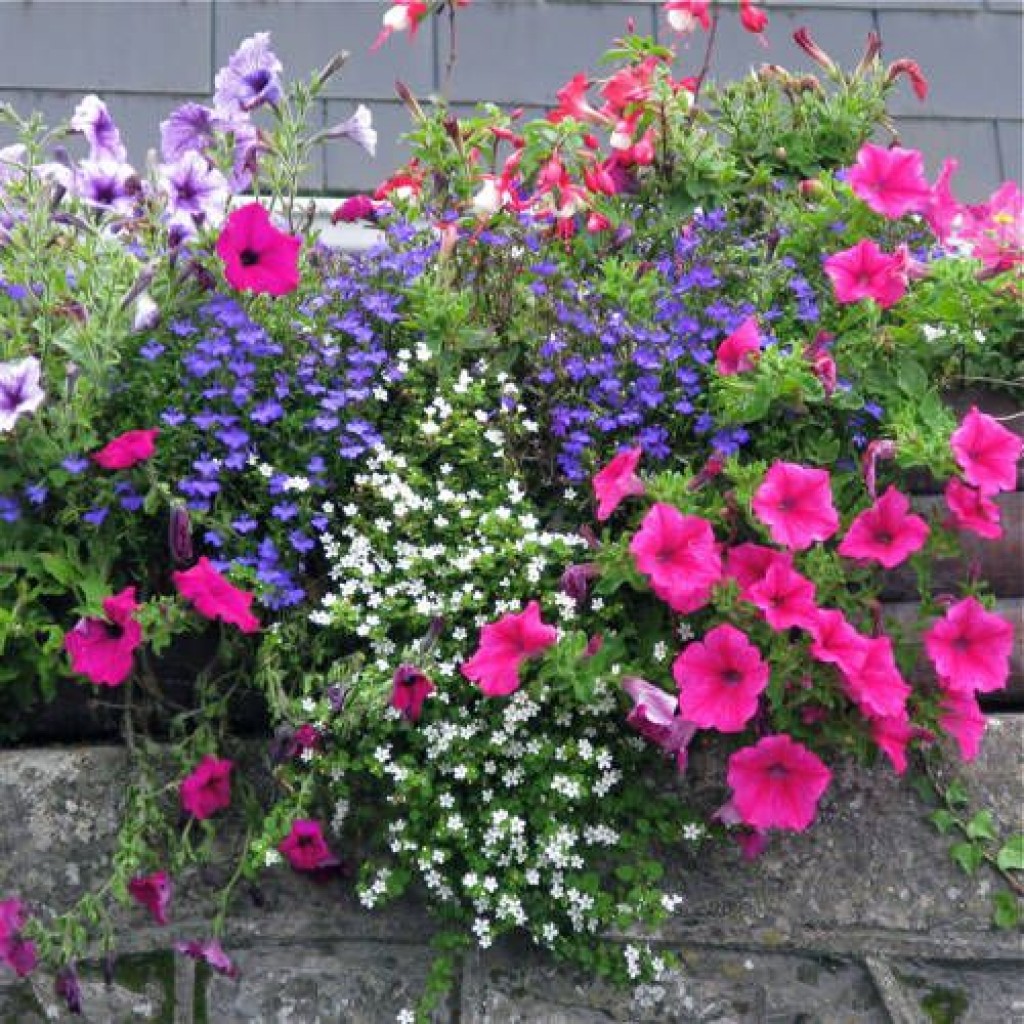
{"x":145,"y":57}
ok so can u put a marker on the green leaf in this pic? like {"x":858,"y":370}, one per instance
{"x":981,"y":826}
{"x":956,"y":794}
{"x":968,"y":855}
{"x":1005,"y":910}
{"x":942,"y":819}
{"x":911,"y":378}
{"x":1011,"y":856}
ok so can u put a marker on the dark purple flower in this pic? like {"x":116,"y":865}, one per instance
{"x":96,"y":516}
{"x":179,"y":535}
{"x":10,"y":511}
{"x":211,"y":952}
{"x":66,"y":985}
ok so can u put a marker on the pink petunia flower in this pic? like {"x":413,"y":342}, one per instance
{"x":795,"y":503}
{"x":784,"y":597}
{"x":865,"y":272}
{"x":890,"y":181}
{"x":125,"y":451}
{"x":876,"y":685}
{"x":207,"y":788}
{"x":986,"y":452}
{"x":942,"y":211}
{"x":103,"y":650}
{"x":962,"y":719}
{"x":720,"y":680}
{"x":970,"y":648}
{"x":972,"y":511}
{"x":210,"y":952}
{"x":19,"y":954}
{"x":749,"y":563}
{"x":679,"y":556}
{"x":214,"y":597}
{"x":409,"y":689}
{"x":836,"y":642}
{"x":777,"y":783}
{"x":257,"y":256}
{"x":655,"y":716}
{"x":504,"y":646}
{"x":739,"y":351}
{"x":154,"y":892}
{"x":885,"y":533}
{"x":305,"y":847}
{"x":995,"y":229}
{"x":893,"y":734}
{"x":616,"y":482}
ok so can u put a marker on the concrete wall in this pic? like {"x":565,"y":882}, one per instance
{"x":147,"y":56}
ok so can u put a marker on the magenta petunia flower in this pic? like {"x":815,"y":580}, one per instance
{"x":777,"y":783}
{"x":210,"y":952}
{"x":942,"y":211}
{"x":410,"y":688}
{"x":795,"y":503}
{"x":720,"y":680}
{"x":154,"y":892}
{"x":305,"y":847}
{"x":995,"y":229}
{"x":886,"y":533}
{"x":616,"y":482}
{"x":214,"y":597}
{"x":865,"y":272}
{"x":890,"y":181}
{"x":655,"y":716}
{"x":207,"y":788}
{"x":836,"y":642}
{"x":103,"y":650}
{"x":679,"y":556}
{"x":504,"y":646}
{"x":739,"y":351}
{"x":19,"y":954}
{"x":749,"y":563}
{"x":893,"y":734}
{"x":986,"y":452}
{"x":256,"y":256}
{"x":876,"y":685}
{"x":128,"y":449}
{"x":972,"y":511}
{"x":962,"y":719}
{"x":785,"y":597}
{"x":970,"y":648}
{"x":20,"y":392}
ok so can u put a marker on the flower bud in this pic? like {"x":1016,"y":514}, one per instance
{"x":179,"y":535}
{"x":575,"y":581}
{"x":803,"y":39}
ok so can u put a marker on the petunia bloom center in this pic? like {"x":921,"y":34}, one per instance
{"x":248,"y":257}
{"x":777,"y":771}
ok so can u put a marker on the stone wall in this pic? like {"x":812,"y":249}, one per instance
{"x":863,"y":919}
{"x":147,"y":57}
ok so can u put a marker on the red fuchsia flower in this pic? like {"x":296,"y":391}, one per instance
{"x":410,"y":688}
{"x":19,"y":954}
{"x":103,"y":650}
{"x":777,"y":783}
{"x":740,"y":350}
{"x":617,"y":481}
{"x":865,"y":272}
{"x":893,"y":734}
{"x":504,"y":646}
{"x":876,"y":685}
{"x":972,"y":511}
{"x":910,"y":68}
{"x":752,"y":18}
{"x":405,"y":16}
{"x":214,"y":597}
{"x":986,"y":452}
{"x":720,"y":680}
{"x":153,"y":892}
{"x":125,"y":451}
{"x":679,"y":556}
{"x":795,"y":503}
{"x":784,"y":597}
{"x":207,"y":788}
{"x":573,"y":102}
{"x":962,"y":719}
{"x":655,"y":716}
{"x":305,"y":847}
{"x":890,"y":181}
{"x":257,"y":256}
{"x":211,"y":952}
{"x":970,"y":648}
{"x":885,"y":533}
{"x":836,"y":642}
{"x":749,"y":563}
{"x":683,"y":16}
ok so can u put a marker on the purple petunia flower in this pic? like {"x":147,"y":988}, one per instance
{"x":93,"y":120}
{"x":358,"y":129}
{"x":197,"y":193}
{"x":107,"y":184}
{"x":20,"y":392}
{"x":251,"y":77}
{"x":190,"y":128}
